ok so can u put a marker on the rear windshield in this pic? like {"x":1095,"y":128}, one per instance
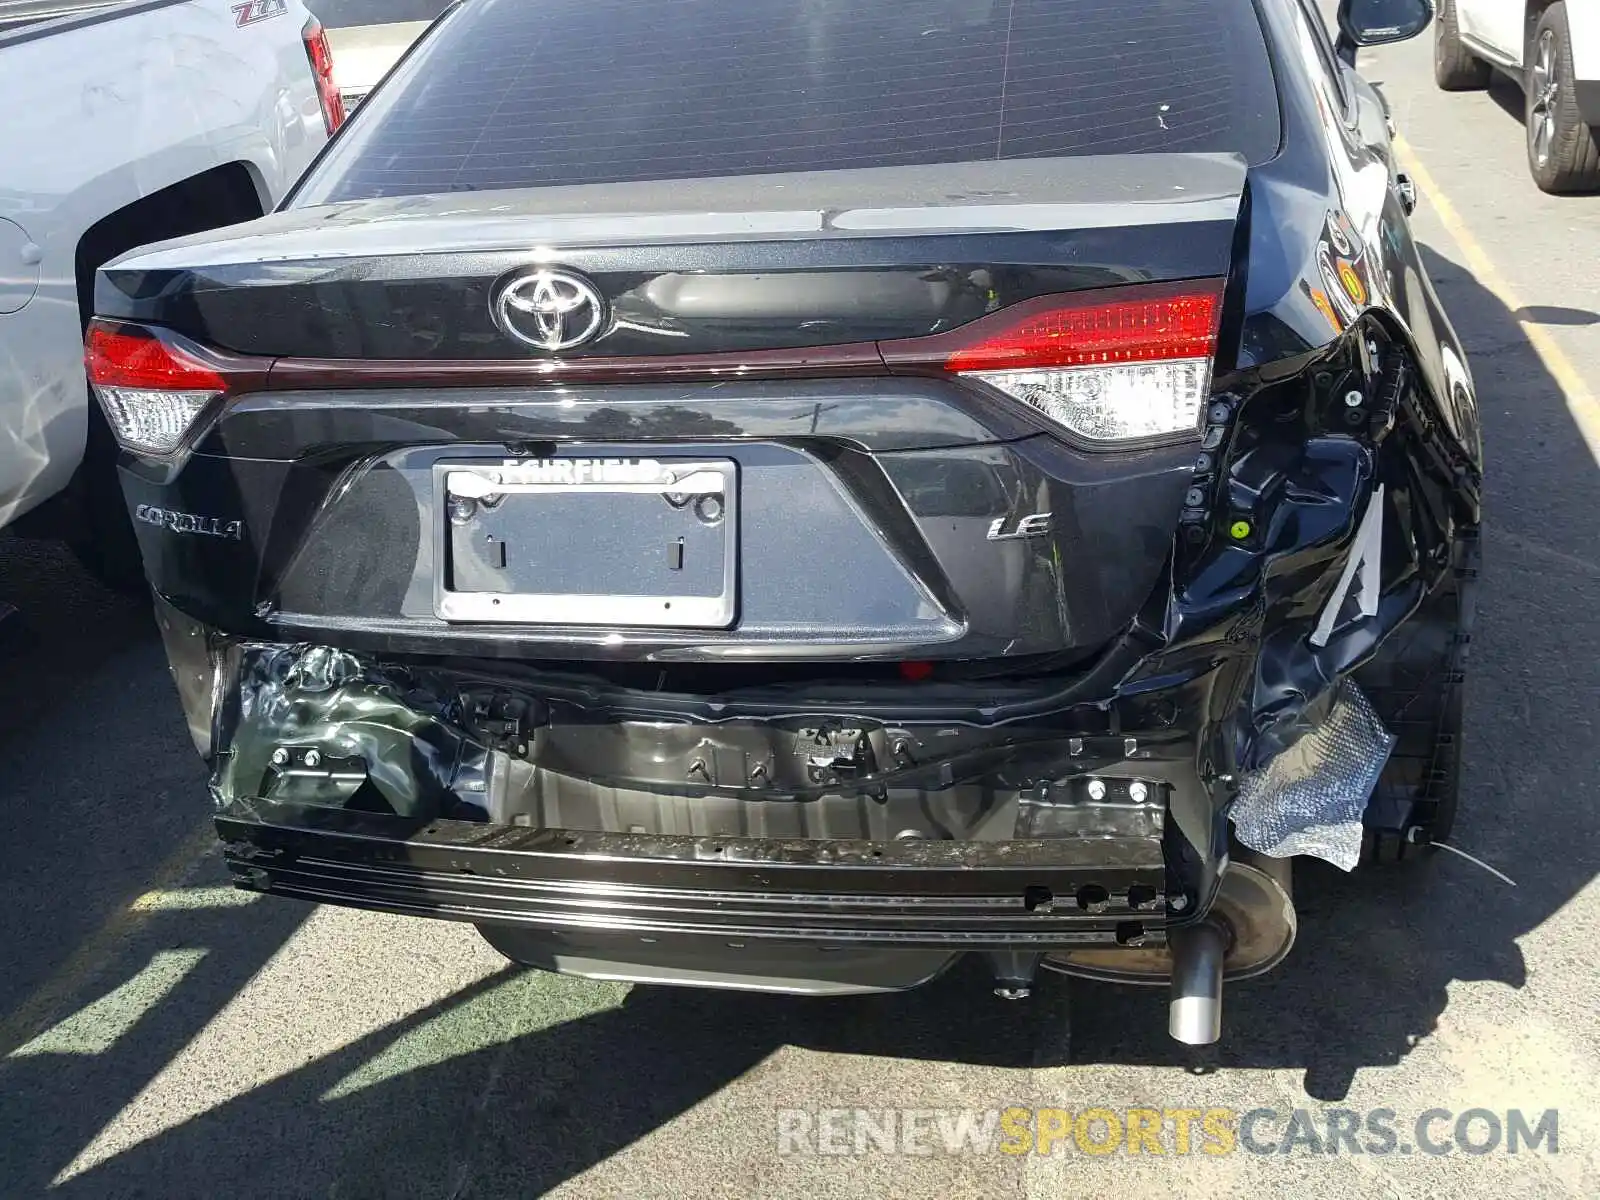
{"x":526,"y":93}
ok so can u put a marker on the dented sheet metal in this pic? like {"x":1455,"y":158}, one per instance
{"x":328,"y":729}
{"x":314,"y":725}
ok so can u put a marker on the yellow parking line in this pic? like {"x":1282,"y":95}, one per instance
{"x":92,"y":953}
{"x":176,"y":899}
{"x":1580,"y":400}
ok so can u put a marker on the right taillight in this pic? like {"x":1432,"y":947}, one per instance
{"x":1123,"y":365}
{"x":317,"y":50}
{"x":151,"y":387}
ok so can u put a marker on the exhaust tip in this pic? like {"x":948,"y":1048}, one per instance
{"x":1199,"y":951}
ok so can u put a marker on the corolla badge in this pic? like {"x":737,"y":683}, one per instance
{"x":182,"y":522}
{"x":550,"y":310}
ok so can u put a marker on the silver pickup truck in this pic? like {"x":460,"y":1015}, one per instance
{"x":125,"y":123}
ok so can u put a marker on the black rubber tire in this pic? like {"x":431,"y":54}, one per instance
{"x":1455,"y":68}
{"x":1416,"y":683}
{"x":1574,"y":162}
{"x":103,"y":541}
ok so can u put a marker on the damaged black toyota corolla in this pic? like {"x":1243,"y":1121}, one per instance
{"x":781,"y":496}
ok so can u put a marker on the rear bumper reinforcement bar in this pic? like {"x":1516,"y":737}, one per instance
{"x":953,"y":894}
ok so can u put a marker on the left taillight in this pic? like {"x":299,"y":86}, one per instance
{"x":152,"y":385}
{"x":321,"y":55}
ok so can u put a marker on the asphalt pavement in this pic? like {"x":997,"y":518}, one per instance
{"x":340,"y":14}
{"x":163,"y":1036}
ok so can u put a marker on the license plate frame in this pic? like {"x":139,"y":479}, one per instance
{"x":685,"y":485}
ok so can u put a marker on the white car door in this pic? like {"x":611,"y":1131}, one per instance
{"x":1494,"y":24}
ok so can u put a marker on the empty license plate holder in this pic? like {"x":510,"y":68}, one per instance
{"x":630,"y":542}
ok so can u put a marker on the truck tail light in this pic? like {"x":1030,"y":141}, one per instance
{"x":151,"y":384}
{"x":317,"y":50}
{"x":1118,"y":365}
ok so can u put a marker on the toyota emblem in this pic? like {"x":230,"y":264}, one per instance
{"x":550,"y":310}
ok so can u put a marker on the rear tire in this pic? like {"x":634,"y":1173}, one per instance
{"x":1562,"y":155}
{"x":1455,"y":68}
{"x":1416,"y":683}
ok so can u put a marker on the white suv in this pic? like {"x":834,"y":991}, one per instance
{"x":1553,"y":51}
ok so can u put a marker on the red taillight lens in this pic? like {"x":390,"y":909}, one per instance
{"x":117,"y":356}
{"x":150,"y":388}
{"x":321,"y":56}
{"x":1159,"y":325}
{"x":1118,"y":365}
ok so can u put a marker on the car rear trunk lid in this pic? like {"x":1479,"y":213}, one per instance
{"x":690,"y":267}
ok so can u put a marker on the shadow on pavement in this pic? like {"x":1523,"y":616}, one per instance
{"x":99,"y":785}
{"x":1507,"y":93}
{"x":52,"y":1105}
{"x":1370,"y":976}
{"x":98,"y":780}
{"x":518,"y":1118}
{"x":1557,"y":314}
{"x":67,"y":628}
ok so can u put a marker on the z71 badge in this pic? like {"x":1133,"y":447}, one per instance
{"x":182,"y":522}
{"x":258,"y":10}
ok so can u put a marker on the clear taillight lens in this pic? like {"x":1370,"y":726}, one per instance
{"x":321,"y":55}
{"x":150,"y":388}
{"x":1128,"y":364}
{"x":1114,"y":403}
